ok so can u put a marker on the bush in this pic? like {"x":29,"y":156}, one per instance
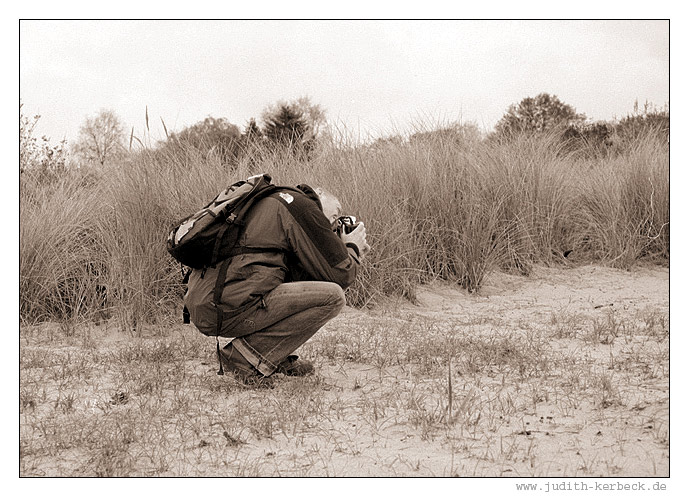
{"x":589,"y":140}
{"x":637,"y":127}
{"x":42,"y":160}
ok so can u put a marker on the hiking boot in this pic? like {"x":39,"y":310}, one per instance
{"x":237,"y":366}
{"x":293,"y":366}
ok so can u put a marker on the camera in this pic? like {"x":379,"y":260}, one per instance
{"x":346,"y":224}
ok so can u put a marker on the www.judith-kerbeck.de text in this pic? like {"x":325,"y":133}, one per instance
{"x":586,"y":486}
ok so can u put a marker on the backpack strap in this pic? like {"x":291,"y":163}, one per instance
{"x":217,"y":293}
{"x":186,"y":317}
{"x":218,"y":242}
{"x":234,"y":220}
{"x":217,"y":348}
{"x":219,"y":287}
{"x":220,"y":282}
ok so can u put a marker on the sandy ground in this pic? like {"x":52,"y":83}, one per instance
{"x":614,"y":441}
{"x":599,"y":406}
{"x":629,"y":437}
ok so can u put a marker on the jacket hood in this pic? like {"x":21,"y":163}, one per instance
{"x":311,"y":193}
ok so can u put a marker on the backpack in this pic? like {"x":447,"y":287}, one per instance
{"x":210,"y":235}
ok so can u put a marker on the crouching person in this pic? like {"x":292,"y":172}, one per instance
{"x":284,"y":284}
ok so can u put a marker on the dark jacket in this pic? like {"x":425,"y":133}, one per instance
{"x":299,"y":245}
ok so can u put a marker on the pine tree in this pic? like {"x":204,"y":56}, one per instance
{"x":287,"y":126}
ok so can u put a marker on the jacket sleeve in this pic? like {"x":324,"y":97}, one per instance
{"x":319,"y":251}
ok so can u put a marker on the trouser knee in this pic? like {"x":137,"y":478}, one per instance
{"x":336,"y":298}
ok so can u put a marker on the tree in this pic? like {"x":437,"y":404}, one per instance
{"x":101,"y":138}
{"x":314,"y":115}
{"x":286,"y":126}
{"x":211,"y":136}
{"x":252,"y":131}
{"x":533,"y":115}
{"x":294,"y":124}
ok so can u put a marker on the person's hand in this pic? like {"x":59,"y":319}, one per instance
{"x":358,"y":238}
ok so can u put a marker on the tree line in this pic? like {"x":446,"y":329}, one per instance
{"x":296,"y":126}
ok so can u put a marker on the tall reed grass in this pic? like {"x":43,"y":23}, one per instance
{"x":434,"y":208}
{"x":60,"y":257}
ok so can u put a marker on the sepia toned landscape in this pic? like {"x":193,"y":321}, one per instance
{"x":512,"y":318}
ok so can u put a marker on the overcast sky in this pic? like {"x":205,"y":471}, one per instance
{"x":372,"y":77}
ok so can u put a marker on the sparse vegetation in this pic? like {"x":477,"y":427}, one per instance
{"x":485,"y":393}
